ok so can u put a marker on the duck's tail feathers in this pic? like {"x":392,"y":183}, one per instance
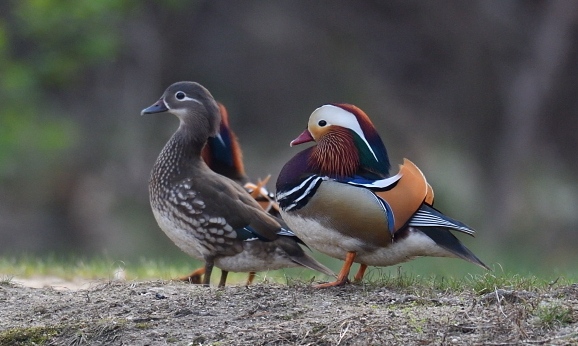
{"x":307,"y":261}
{"x":444,"y":238}
{"x":298,"y":255}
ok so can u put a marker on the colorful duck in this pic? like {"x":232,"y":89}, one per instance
{"x":340,"y":199}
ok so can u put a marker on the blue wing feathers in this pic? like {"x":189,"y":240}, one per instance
{"x":248,"y":233}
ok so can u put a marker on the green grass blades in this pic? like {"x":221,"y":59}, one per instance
{"x":69,"y":268}
{"x":405,"y":276}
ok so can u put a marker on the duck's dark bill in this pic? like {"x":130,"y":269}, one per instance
{"x":157,"y":107}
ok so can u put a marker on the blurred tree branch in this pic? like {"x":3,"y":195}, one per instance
{"x":525,"y":98}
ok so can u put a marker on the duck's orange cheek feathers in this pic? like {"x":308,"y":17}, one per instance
{"x":318,"y":132}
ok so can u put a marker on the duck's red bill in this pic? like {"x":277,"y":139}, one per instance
{"x":304,"y":137}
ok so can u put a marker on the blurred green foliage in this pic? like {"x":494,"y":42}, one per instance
{"x":46,"y":45}
{"x":66,"y":36}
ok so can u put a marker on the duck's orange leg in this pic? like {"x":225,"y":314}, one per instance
{"x":250,"y":278}
{"x":194,"y":277}
{"x":343,"y":273}
{"x":257,"y":188}
{"x":266,"y":202}
{"x":360,"y":272}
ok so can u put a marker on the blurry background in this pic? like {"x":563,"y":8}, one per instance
{"x":481,"y":95}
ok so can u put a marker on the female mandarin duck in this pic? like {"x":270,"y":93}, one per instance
{"x":223,"y":155}
{"x":339,"y":198}
{"x":209,"y":216}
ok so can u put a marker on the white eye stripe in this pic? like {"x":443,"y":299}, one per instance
{"x":191,"y":99}
{"x":186,"y":98}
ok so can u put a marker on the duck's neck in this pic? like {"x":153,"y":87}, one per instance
{"x":180,"y":155}
{"x":342,"y":153}
{"x":335,"y":155}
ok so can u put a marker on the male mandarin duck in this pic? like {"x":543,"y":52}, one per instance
{"x":340,"y":199}
{"x":223,"y":155}
{"x":209,"y":216}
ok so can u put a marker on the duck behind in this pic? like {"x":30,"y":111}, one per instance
{"x":223,"y":155}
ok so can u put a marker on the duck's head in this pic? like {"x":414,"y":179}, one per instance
{"x":193,"y":104}
{"x":347,"y":142}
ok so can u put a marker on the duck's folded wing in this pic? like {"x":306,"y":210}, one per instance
{"x":401,"y":195}
{"x":240,"y":210}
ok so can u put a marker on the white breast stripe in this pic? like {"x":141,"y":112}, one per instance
{"x":295,"y":201}
{"x":296,"y":188}
{"x":309,"y":188}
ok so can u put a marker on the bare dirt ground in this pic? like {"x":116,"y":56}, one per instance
{"x":174,"y":313}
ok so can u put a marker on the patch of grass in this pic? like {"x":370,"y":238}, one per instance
{"x":418,"y":325}
{"x":403,"y":277}
{"x":105,"y":332}
{"x":317,"y":328}
{"x":172,"y":339}
{"x":292,"y":315}
{"x":92,"y":268}
{"x":27,"y":266}
{"x":480,"y":283}
{"x":553,"y":313}
{"x":400,"y":279}
{"x":488,"y":282}
{"x":72,"y":267}
{"x":6,"y":280}
{"x":77,"y":334}
{"x":143,"y":325}
{"x":28,"y":336}
{"x":410,"y":282}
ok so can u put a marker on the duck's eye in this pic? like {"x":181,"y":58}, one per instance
{"x":180,"y":95}
{"x":322,"y":123}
